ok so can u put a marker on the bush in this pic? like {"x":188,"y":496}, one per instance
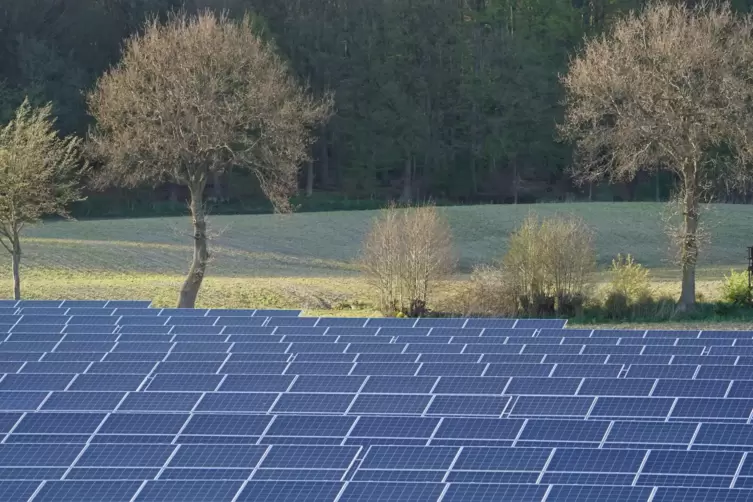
{"x":735,"y":289}
{"x":548,"y":265}
{"x":630,"y":279}
{"x":629,"y":291}
{"x":404,"y":255}
{"x":488,"y":294}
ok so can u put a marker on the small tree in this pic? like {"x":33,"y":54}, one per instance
{"x":195,"y":97}
{"x":668,"y":88}
{"x":404,"y":255}
{"x":39,"y":175}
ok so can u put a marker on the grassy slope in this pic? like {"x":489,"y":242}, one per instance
{"x":275,"y":260}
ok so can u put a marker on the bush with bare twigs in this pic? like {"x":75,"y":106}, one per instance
{"x":545,"y":271}
{"x":488,"y":294}
{"x":406,"y":252}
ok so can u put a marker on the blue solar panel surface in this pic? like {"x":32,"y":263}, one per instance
{"x":117,"y":400}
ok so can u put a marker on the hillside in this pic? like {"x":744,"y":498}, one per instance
{"x":323,"y":243}
{"x":290,"y":256}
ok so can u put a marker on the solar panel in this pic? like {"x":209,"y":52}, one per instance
{"x":251,"y":383}
{"x":20,"y":401}
{"x":669,"y":494}
{"x":540,"y":323}
{"x":159,"y":401}
{"x":178,"y":491}
{"x":313,"y":403}
{"x":701,"y":408}
{"x":451,"y":369}
{"x":545,"y":386}
{"x":237,"y":402}
{"x":197,"y":330}
{"x":39,"y":303}
{"x":448,"y":358}
{"x":143,"y":423}
{"x":199,"y":367}
{"x":146,"y":328}
{"x":184,"y":382}
{"x":225,"y":424}
{"x":291,"y":321}
{"x":125,"y":455}
{"x":270,"y":491}
{"x":553,"y":406}
{"x":36,"y":381}
{"x":356,"y":491}
{"x":390,"y":404}
{"x":109,"y":382}
{"x":240,"y":405}
{"x":317,"y":383}
{"x":482,"y":492}
{"x":592,"y":493}
{"x":632,"y":407}
{"x":468,"y":405}
{"x":83,"y":401}
{"x":90,"y":491}
{"x":37,"y":328}
{"x":311,"y":426}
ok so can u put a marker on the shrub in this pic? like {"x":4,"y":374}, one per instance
{"x":649,"y":308}
{"x":404,"y":255}
{"x":630,"y":279}
{"x":548,"y":265}
{"x":735,"y":288}
{"x":617,"y":305}
{"x":488,"y":294}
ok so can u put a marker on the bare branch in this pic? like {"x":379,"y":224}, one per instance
{"x":202,"y":95}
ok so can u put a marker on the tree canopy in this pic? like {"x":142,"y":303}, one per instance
{"x":40,"y":175}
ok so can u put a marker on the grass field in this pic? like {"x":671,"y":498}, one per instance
{"x":306,"y":259}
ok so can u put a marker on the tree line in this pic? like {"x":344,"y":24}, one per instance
{"x":444,"y":99}
{"x":668,"y":88}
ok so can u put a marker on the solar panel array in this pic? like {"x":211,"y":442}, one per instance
{"x":116,"y":401}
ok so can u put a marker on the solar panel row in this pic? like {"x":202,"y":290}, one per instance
{"x":173,"y":490}
{"x":378,"y":463}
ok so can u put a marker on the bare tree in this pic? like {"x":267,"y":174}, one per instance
{"x":195,"y":97}
{"x":668,"y":88}
{"x":39,"y":175}
{"x":404,"y":255}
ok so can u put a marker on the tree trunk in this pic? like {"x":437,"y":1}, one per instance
{"x":192,"y":284}
{"x":16,"y":259}
{"x":689,"y":250}
{"x":309,"y":178}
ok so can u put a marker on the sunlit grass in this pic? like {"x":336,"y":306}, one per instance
{"x":306,"y":260}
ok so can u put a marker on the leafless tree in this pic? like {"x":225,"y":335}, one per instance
{"x":407,"y":251}
{"x":39,"y":175}
{"x":197,"y":96}
{"x":668,"y":88}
